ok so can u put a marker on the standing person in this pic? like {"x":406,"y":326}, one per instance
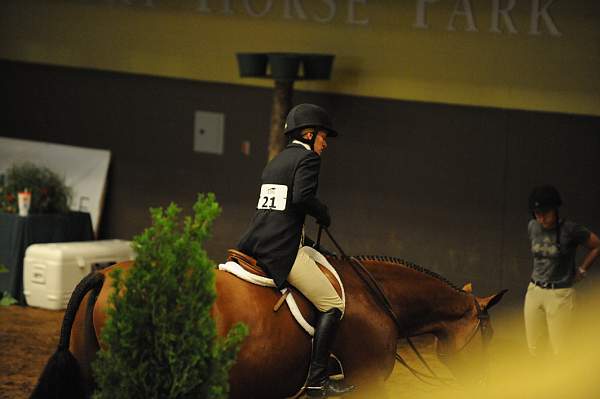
{"x":274,"y":237}
{"x":550,"y":295}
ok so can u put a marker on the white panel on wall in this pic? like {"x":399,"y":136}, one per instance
{"x":209,"y":132}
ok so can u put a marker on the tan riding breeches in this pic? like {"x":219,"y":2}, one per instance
{"x":548,"y":312}
{"x":313,"y":284}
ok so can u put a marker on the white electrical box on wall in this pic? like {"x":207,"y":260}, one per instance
{"x":209,"y":132}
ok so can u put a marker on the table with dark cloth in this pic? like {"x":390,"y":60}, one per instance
{"x":17,"y":233}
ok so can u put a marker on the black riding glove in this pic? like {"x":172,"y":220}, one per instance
{"x":324,"y":219}
{"x":318,"y":210}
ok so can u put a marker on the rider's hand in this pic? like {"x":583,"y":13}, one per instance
{"x":579,"y":274}
{"x":324,"y":219}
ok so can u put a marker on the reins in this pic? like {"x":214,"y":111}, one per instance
{"x":378,"y":293}
{"x":481,"y":315}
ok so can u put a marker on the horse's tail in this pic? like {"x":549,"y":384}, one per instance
{"x":62,"y":377}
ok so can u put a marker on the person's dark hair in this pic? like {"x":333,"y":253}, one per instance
{"x":298,"y":135}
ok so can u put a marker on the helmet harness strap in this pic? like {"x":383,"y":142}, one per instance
{"x":313,"y":138}
{"x":311,"y":141}
{"x":558,"y":223}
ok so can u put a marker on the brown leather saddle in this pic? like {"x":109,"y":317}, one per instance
{"x":245,"y":261}
{"x":251,"y":265}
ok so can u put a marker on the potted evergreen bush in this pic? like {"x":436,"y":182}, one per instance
{"x":160,"y":340}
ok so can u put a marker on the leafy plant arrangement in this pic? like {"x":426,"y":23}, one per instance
{"x":160,"y":338}
{"x":5,"y":298}
{"x":49,"y":194}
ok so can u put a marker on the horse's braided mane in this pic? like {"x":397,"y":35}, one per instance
{"x":410,"y":265}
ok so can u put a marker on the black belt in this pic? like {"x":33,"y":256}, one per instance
{"x":551,"y":285}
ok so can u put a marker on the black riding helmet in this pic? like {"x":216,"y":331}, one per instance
{"x":544,"y":198}
{"x":308,"y":115}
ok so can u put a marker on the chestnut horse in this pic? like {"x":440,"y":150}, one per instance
{"x":273,"y":360}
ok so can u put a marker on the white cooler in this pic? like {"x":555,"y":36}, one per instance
{"x":51,"y":271}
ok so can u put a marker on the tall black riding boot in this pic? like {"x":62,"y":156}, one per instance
{"x":319,"y":384}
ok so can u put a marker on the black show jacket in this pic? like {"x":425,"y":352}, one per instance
{"x":273,"y":237}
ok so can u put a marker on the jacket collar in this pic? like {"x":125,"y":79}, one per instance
{"x":302,"y":144}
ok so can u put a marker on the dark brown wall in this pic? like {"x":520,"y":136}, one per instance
{"x":440,"y":185}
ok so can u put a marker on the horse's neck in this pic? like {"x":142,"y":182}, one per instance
{"x":422,"y":303}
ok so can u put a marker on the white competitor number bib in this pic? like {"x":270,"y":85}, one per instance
{"x":273,"y":197}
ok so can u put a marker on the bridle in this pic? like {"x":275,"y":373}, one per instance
{"x":482,"y":326}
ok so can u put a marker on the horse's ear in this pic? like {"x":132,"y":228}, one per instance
{"x":487,"y":302}
{"x":468,"y":288}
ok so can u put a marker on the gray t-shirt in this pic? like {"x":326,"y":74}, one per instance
{"x":550,"y":263}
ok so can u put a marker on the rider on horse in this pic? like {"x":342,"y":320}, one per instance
{"x":275,"y":236}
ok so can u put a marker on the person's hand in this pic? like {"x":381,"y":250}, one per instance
{"x":324,"y":220}
{"x":579,"y":274}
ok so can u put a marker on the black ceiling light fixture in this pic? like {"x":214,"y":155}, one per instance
{"x":283,"y":69}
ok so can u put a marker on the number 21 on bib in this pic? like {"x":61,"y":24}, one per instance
{"x":273,"y":197}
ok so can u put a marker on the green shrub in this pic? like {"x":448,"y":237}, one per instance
{"x":160,"y":338}
{"x":49,"y":194}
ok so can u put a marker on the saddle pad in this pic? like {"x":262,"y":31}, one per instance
{"x":238,"y":271}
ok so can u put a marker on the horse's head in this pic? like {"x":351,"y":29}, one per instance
{"x":462,"y":346}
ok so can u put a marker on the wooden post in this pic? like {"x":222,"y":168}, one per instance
{"x":282,"y":103}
